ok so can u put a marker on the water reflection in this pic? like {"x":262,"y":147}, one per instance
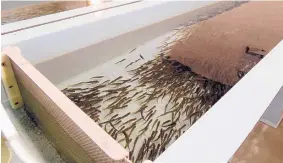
{"x":41,"y":8}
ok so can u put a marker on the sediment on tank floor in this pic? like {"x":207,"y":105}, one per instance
{"x":217,"y":48}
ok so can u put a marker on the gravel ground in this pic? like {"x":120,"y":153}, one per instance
{"x":36,"y":141}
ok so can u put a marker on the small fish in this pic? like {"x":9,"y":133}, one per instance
{"x":132,"y":50}
{"x":166,"y":113}
{"x":148,"y":115}
{"x":197,"y":90}
{"x":173,"y":106}
{"x":164,"y":94}
{"x":152,"y":136}
{"x":131,"y":90}
{"x":129,"y":64}
{"x":141,"y":108}
{"x":133,"y":128}
{"x":120,"y":61}
{"x":128,"y":121}
{"x":93,"y":110}
{"x":163,"y":138}
{"x":141,"y":97}
{"x":178,"y":117}
{"x":114,"y":134}
{"x":131,"y":157}
{"x":146,"y":127}
{"x":127,"y":139}
{"x":121,"y":129}
{"x":193,"y":114}
{"x":134,"y":79}
{"x":106,"y":81}
{"x":151,"y":109}
{"x":171,"y":133}
{"x":141,"y":112}
{"x":160,"y":95}
{"x":121,"y":101}
{"x":92,"y":82}
{"x":154,"y":124}
{"x":147,"y":147}
{"x":156,"y":129}
{"x":176,"y":137}
{"x":182,"y":103}
{"x":151,"y":97}
{"x":99,"y":86}
{"x":194,"y":120}
{"x":156,"y":151}
{"x":95,"y":77}
{"x":123,"y":139}
{"x":112,"y":125}
{"x":112,"y":129}
{"x":170,"y":99}
{"x":116,"y":115}
{"x":161,"y":133}
{"x":115,"y":102}
{"x":127,"y":101}
{"x":141,"y":85}
{"x":141,"y":57}
{"x":137,"y":60}
{"x":136,"y":94}
{"x":151,"y":115}
{"x":114,"y":119}
{"x":150,"y":157}
{"x":170,"y":125}
{"x":111,"y":112}
{"x":117,"y":122}
{"x":111,"y":98}
{"x":165,"y":122}
{"x":120,"y":89}
{"x":135,"y":142}
{"x":105,"y":128}
{"x":139,"y":119}
{"x":77,"y":84}
{"x":141,"y":152}
{"x":113,"y":81}
{"x":95,"y":118}
{"x":124,"y":116}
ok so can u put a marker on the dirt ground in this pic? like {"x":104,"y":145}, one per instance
{"x":263,"y":145}
{"x":216,"y":47}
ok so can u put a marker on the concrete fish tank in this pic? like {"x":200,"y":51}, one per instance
{"x":104,"y":89}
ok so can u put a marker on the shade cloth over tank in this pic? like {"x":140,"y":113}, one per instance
{"x":216,"y":47}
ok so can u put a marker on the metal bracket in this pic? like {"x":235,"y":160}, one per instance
{"x":255,"y":52}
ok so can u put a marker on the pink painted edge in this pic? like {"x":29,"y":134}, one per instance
{"x":112,"y":148}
